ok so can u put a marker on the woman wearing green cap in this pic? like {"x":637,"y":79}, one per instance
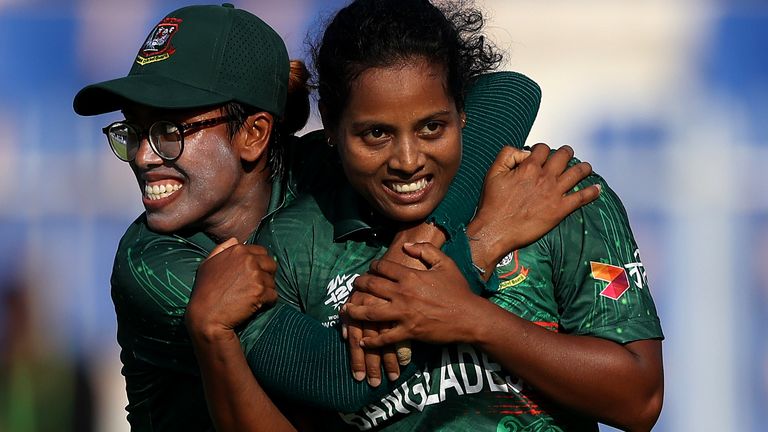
{"x":564,"y":339}
{"x":204,"y":139}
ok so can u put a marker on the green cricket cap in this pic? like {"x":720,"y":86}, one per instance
{"x":200,"y":56}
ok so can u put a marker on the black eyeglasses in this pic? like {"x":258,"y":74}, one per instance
{"x":165,"y":137}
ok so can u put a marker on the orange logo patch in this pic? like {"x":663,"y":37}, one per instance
{"x":618,"y":283}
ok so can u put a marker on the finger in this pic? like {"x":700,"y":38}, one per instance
{"x":372,"y":356}
{"x":376,"y":286}
{"x":389,"y":358}
{"x":356,"y":354}
{"x":394,"y":336}
{"x":269,"y":294}
{"x":558,"y":161}
{"x":386,"y":312}
{"x":256,"y":250}
{"x":426,"y":252}
{"x":223,"y":246}
{"x":388,"y":269}
{"x":582,"y":197}
{"x":507,"y":159}
{"x":539,"y":154}
{"x":573,"y":175}
{"x":266,"y":263}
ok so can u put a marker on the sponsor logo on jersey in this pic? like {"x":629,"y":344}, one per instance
{"x":338,"y":290}
{"x":516,"y":275}
{"x":616,"y":277}
{"x":158,"y":46}
{"x":464,"y":371}
{"x":637,"y":271}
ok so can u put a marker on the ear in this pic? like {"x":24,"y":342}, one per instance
{"x":463,"y":117}
{"x":253,"y":138}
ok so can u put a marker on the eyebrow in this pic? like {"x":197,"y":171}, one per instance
{"x":366,"y":124}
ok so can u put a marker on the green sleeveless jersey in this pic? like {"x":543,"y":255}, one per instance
{"x":584,"y":277}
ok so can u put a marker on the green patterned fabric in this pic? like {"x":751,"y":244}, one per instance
{"x":501,"y":108}
{"x":584,"y":277}
{"x":153,"y":275}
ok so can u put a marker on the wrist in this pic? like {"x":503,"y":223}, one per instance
{"x":489,"y":243}
{"x":479,"y":327}
{"x":209,"y":333}
{"x":480,"y":247}
{"x":424,"y":232}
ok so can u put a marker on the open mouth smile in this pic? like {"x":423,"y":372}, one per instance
{"x":409,"y":188}
{"x":161,"y":190}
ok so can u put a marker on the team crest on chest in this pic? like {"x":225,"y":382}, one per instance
{"x":510,"y":271}
{"x":158,"y":45}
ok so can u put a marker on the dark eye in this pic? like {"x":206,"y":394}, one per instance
{"x":374,"y":136}
{"x":432,"y":128}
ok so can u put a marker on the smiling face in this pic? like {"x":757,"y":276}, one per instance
{"x":195,"y":190}
{"x":399,"y":138}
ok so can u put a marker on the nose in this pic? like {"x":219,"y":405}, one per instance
{"x":407,"y":156}
{"x":145,"y":156}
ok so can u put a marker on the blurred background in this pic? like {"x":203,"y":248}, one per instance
{"x":664,"y":98}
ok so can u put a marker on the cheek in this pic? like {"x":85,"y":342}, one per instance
{"x":360,"y":162}
{"x":217,"y":168}
{"x":450,"y":156}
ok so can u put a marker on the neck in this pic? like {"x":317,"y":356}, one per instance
{"x":248,"y":206}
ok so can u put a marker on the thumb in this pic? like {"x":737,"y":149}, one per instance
{"x":507,"y":159}
{"x":222,"y":247}
{"x":425,"y":252}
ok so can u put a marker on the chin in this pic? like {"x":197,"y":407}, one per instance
{"x":163,"y":225}
{"x":409,"y":215}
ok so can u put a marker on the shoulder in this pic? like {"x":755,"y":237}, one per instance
{"x":153,"y":273}
{"x":138,"y":237}
{"x":299,"y":223}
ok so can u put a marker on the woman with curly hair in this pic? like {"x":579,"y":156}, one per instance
{"x":547,"y":346}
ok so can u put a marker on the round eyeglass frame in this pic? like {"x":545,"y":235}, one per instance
{"x":182,"y":129}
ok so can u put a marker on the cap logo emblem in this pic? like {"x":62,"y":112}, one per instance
{"x":158,"y":46}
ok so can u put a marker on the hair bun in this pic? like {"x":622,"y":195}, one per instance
{"x":297,"y":104}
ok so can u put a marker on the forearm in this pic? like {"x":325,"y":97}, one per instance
{"x":235,"y":399}
{"x":296,"y":358}
{"x":621,"y":385}
{"x":421,"y":233}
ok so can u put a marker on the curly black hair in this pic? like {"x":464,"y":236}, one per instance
{"x":379,"y":33}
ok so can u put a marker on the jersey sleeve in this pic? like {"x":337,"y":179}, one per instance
{"x":292,"y":355}
{"x":152,"y":278}
{"x":500,"y":109}
{"x":600,"y":281}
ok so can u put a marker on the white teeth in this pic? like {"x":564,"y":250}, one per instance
{"x":410,"y":187}
{"x":157,"y":192}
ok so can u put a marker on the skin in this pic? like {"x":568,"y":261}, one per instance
{"x":399,"y":139}
{"x":621,"y":385}
{"x":224,"y":192}
{"x":217,"y":195}
{"x":396,"y":105}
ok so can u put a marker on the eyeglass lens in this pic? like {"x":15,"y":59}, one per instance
{"x":164,"y":138}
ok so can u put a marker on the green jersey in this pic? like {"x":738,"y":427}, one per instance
{"x":584,"y":277}
{"x":153,"y":274}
